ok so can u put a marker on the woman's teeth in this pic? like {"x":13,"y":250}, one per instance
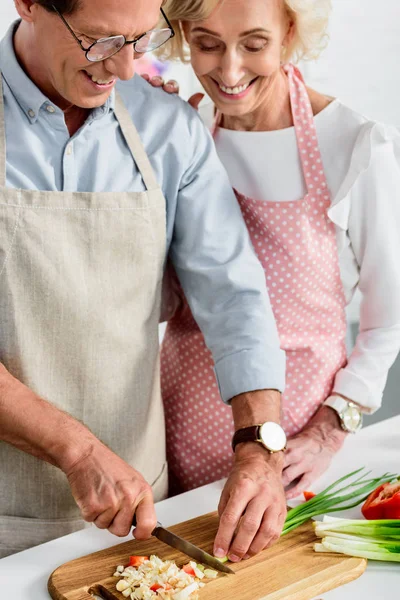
{"x":235,"y":90}
{"x":100,"y":81}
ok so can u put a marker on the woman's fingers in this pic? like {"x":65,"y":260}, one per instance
{"x":172,"y":87}
{"x":291,"y":473}
{"x":303,"y":484}
{"x":195,"y":100}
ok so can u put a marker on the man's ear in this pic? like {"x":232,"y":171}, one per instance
{"x":26,"y":9}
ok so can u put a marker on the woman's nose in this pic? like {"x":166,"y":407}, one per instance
{"x":232,"y":69}
{"x":122,"y":63}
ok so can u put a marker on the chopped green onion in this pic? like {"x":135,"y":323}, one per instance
{"x":335,"y":498}
{"x":224,"y":559}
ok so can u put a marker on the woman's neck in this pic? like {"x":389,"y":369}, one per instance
{"x":273,"y":113}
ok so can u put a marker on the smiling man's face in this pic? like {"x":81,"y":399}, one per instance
{"x":62,"y":69}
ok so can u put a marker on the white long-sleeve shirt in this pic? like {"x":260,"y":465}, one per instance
{"x":362,"y":165}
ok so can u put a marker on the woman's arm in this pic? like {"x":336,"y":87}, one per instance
{"x":374,"y":230}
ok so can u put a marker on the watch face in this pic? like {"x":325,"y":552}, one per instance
{"x":352,"y":418}
{"x":272,"y":436}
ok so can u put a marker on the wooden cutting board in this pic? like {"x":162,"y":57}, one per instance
{"x":289,"y":570}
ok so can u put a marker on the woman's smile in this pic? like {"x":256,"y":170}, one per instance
{"x":236,"y":92}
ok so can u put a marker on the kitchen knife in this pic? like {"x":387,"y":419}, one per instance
{"x":171,"y":539}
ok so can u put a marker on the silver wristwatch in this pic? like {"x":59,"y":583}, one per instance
{"x":350,"y":414}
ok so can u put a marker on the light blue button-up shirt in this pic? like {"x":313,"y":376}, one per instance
{"x":206,"y":236}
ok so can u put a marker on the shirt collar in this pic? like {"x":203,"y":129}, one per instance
{"x":26,"y":93}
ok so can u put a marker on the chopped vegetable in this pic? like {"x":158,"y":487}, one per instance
{"x":335,"y":497}
{"x":308,"y":495}
{"x":162,"y":580}
{"x":189,"y":570}
{"x":383,"y":502}
{"x":210,"y":573}
{"x":224,"y":559}
{"x":375,"y":540}
{"x":136,"y":561}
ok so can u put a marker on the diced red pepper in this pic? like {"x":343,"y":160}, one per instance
{"x":308,"y":495}
{"x":189,"y":569}
{"x":383,"y":503}
{"x":156,"y":586}
{"x":136,"y":561}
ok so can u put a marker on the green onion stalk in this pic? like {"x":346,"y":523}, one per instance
{"x":347,"y":492}
{"x":374,"y":540}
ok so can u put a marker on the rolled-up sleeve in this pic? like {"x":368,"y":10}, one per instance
{"x":374,"y":224}
{"x":223,"y":281}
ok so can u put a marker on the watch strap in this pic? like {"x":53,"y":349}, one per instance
{"x":246,"y":434}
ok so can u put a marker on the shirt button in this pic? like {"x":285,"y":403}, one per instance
{"x":50,"y":109}
{"x":69,"y":149}
{"x":31,"y":113}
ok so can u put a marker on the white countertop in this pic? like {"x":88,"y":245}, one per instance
{"x":24,"y":576}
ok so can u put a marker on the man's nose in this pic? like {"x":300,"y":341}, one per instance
{"x":122,"y":64}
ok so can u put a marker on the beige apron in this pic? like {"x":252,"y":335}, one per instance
{"x":80,"y":281}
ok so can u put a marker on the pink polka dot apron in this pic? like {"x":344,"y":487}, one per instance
{"x":296,"y":244}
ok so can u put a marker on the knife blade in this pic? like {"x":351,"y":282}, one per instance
{"x":199,"y":555}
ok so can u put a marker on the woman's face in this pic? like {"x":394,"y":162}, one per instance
{"x":236,"y":52}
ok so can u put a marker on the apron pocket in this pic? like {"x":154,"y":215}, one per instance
{"x":160,"y":485}
{"x":20,"y":533}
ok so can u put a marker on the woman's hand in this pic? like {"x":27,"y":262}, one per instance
{"x":172,"y":87}
{"x":309,"y":453}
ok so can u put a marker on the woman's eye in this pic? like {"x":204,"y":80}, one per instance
{"x":256,"y":46}
{"x":207,"y":45}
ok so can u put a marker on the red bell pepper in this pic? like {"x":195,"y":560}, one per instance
{"x":189,"y":569}
{"x":136,"y":561}
{"x":308,"y":495}
{"x":383,"y":503}
{"x":156,"y":586}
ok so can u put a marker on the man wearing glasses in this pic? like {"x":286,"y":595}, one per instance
{"x":99,"y":182}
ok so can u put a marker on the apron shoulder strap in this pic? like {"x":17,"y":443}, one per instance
{"x":304,"y":124}
{"x":2,"y":137}
{"x":135,"y":144}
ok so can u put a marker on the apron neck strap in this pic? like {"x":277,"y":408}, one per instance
{"x":135,"y":144}
{"x":2,"y":138}
{"x":303,"y":119}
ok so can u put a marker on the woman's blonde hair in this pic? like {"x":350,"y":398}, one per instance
{"x":310,"y":18}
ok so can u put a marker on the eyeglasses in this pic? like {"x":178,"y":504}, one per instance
{"x":106,"y":47}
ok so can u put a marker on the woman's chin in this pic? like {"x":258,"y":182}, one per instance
{"x":230,"y":110}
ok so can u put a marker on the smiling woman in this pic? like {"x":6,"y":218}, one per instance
{"x":308,"y":178}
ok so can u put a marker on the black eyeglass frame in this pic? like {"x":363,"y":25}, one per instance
{"x":126,"y":42}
